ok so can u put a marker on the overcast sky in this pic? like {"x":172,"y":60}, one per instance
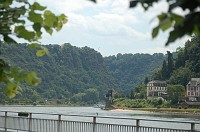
{"x":109,"y":27}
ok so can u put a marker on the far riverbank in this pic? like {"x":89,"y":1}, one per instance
{"x":162,"y":110}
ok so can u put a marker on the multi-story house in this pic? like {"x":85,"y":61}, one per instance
{"x":156,"y":89}
{"x":193,"y":90}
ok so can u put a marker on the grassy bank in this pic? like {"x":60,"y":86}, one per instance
{"x":169,"y":110}
{"x":153,"y":105}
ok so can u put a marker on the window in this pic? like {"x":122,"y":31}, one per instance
{"x":188,"y":88}
{"x":188,"y":93}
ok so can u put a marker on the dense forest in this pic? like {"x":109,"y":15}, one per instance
{"x":181,"y":66}
{"x":129,"y":70}
{"x":79,"y":74}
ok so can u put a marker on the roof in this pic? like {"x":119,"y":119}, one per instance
{"x":194,"y":81}
{"x":157,"y":81}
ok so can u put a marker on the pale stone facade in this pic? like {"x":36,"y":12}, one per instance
{"x":156,"y":89}
{"x":193,"y":90}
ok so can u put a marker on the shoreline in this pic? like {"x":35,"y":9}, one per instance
{"x":188,"y":111}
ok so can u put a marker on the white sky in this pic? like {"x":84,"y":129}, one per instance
{"x":109,"y":27}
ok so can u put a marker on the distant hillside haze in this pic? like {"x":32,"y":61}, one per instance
{"x":80,"y":74}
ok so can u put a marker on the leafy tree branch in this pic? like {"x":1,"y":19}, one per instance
{"x":15,"y":15}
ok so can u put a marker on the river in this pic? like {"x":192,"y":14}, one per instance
{"x":90,"y":111}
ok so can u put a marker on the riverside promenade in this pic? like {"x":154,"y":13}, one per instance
{"x":41,"y":122}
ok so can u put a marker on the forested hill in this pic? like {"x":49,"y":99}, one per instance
{"x":80,"y":74}
{"x":129,"y":70}
{"x":183,"y":65}
{"x":68,"y":72}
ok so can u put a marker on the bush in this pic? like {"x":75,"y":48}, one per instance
{"x":158,"y":107}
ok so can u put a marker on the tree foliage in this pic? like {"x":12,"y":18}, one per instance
{"x":176,"y":93}
{"x":66,"y":72}
{"x":178,"y":25}
{"x":184,"y":67}
{"x":130,"y":70}
{"x":25,"y":20}
{"x":140,"y":103}
{"x":80,"y":74}
{"x":20,"y":15}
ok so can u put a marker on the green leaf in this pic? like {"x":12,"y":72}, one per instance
{"x":38,"y":35}
{"x":22,"y":10}
{"x":155,"y":32}
{"x":49,"y":19}
{"x":65,"y":21}
{"x":18,"y":74}
{"x":59,"y":26}
{"x":11,"y":90}
{"x":34,"y":17}
{"x":48,"y":30}
{"x":176,"y":33}
{"x":63,"y":18}
{"x":23,"y":33}
{"x":37,"y":6}
{"x":45,"y":49}
{"x":32,"y":79}
{"x":197,"y":30}
{"x":8,"y":39}
{"x":166,"y":24}
{"x":20,"y":21}
{"x":6,"y":3}
{"x":177,"y":18}
{"x":133,"y":3}
{"x":37,"y":27}
{"x":33,"y":45}
{"x":162,"y":16}
{"x":41,"y":52}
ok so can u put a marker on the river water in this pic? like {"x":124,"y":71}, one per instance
{"x":90,"y":111}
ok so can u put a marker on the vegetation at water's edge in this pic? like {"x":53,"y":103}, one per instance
{"x":140,"y":103}
{"x":179,"y":110}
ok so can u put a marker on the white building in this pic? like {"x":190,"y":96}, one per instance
{"x":156,"y":89}
{"x":193,"y":90}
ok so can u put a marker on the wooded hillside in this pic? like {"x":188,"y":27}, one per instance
{"x":183,"y":65}
{"x":79,"y":74}
{"x":129,"y":70}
